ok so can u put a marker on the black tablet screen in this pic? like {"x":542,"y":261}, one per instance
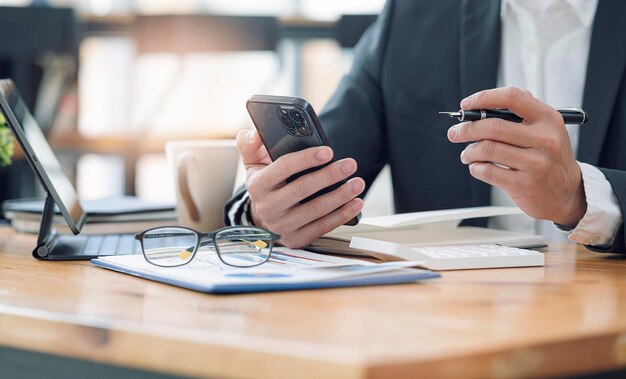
{"x":40,"y":155}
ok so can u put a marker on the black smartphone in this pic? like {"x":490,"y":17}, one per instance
{"x":286,"y":125}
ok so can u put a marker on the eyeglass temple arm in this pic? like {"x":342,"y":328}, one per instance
{"x":209,"y":239}
{"x":211,"y":242}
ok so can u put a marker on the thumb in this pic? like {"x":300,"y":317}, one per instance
{"x":251,"y":148}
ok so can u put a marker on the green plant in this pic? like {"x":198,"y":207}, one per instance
{"x":6,"y":143}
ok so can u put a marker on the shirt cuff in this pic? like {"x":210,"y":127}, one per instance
{"x":599,"y":225}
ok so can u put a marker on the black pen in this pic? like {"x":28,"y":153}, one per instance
{"x":570,"y":115}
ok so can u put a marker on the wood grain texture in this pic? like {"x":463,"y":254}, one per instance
{"x":567,"y":317}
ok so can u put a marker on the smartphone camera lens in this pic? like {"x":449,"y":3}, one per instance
{"x":296,"y":116}
{"x":283,"y":112}
{"x":304,"y":130}
{"x":288,"y":124}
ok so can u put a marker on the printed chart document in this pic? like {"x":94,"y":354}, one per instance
{"x":419,"y":229}
{"x":287,"y":269}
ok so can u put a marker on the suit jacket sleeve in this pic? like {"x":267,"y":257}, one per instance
{"x":618,"y":183}
{"x":354,"y":117}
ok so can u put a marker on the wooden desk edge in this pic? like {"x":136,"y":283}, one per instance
{"x":547,"y":359}
{"x":204,"y":355}
{"x":129,"y":345}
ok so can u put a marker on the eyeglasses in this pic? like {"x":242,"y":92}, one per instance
{"x":237,"y":246}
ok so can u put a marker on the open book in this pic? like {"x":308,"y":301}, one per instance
{"x":431,"y":228}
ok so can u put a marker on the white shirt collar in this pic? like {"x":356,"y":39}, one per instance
{"x":584,"y":9}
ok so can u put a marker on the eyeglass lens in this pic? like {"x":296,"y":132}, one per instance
{"x":244,"y":247}
{"x":169,"y":246}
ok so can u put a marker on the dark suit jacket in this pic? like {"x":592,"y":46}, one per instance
{"x":422,"y":57}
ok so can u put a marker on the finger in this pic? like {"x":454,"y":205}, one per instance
{"x":520,"y":102}
{"x":494,"y":175}
{"x":494,"y":129}
{"x":251,"y":148}
{"x":325,"y":204}
{"x":289,"y":164}
{"x":496,"y":152}
{"x":309,"y":184}
{"x":324,"y":225}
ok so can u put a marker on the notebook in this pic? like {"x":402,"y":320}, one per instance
{"x":115,"y":215}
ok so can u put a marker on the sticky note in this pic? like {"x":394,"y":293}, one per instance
{"x":258,"y":243}
{"x":184,"y":254}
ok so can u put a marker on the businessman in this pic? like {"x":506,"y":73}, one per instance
{"x":422,"y":57}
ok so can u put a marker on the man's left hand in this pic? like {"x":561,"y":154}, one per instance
{"x":532,"y":161}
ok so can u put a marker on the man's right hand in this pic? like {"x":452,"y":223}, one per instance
{"x":275,"y":203}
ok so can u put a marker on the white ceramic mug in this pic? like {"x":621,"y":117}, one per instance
{"x":204,"y":176}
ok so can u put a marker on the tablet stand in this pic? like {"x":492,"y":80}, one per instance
{"x":46,"y":234}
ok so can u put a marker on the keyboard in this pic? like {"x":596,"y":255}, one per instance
{"x":476,"y":256}
{"x":70,"y":247}
{"x":111,"y":244}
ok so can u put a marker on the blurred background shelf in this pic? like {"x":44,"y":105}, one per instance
{"x":76,"y":142}
{"x":111,"y":81}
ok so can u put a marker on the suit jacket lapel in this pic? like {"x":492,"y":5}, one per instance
{"x":605,"y":68}
{"x":480,"y":45}
{"x":479,"y":58}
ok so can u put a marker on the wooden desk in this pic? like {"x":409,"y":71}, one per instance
{"x":566,"y":318}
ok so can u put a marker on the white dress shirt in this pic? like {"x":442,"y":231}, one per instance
{"x":545,"y":49}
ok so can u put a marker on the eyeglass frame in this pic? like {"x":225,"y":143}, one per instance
{"x":200,"y":236}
